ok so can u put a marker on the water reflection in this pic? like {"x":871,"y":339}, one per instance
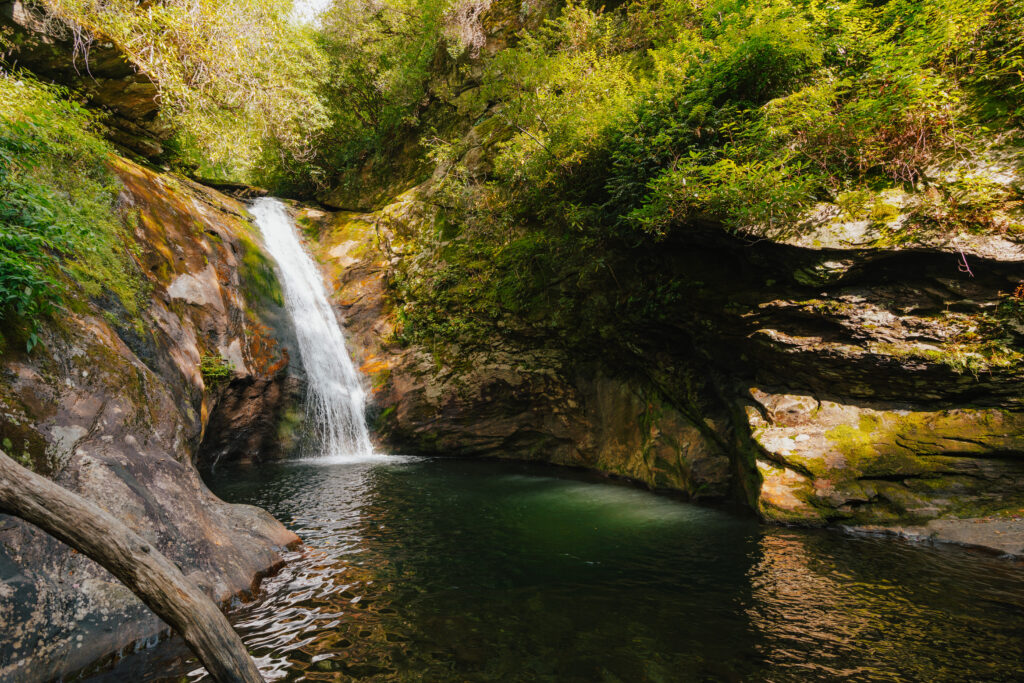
{"x":877,"y":609}
{"x":468,"y":571}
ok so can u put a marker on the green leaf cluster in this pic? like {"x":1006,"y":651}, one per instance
{"x":605,"y":133}
{"x":215,"y":370}
{"x":378,"y":61}
{"x":61,"y":235}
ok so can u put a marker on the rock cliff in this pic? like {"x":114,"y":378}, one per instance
{"x":119,"y":409}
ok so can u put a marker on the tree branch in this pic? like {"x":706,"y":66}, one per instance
{"x":89,"y":529}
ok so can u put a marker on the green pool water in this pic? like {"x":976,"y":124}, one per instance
{"x":455,"y":570}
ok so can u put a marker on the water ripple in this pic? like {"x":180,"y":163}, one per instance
{"x":465,"y":571}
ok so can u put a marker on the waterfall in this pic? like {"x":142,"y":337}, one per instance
{"x":335,"y":400}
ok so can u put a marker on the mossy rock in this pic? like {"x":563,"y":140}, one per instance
{"x":869,"y":464}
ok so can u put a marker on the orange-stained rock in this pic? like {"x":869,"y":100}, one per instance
{"x":116,"y":409}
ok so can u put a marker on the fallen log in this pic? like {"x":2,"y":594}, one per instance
{"x":157,"y":581}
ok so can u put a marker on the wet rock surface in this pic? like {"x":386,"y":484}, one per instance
{"x":822,"y":459}
{"x":1003,"y":535}
{"x":118,"y":409}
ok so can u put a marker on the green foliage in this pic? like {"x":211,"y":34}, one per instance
{"x":240,"y":80}
{"x":599,"y":137}
{"x":378,"y":59}
{"x":608,"y":132}
{"x":732,"y":100}
{"x":769,"y":195}
{"x":758,"y":53}
{"x":60,"y":232}
{"x":1012,"y":305}
{"x":215,"y":370}
{"x":993,"y":66}
{"x":970,"y":204}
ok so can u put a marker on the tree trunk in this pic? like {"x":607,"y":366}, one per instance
{"x":156,"y":580}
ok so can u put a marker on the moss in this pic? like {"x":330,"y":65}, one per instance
{"x":379,"y":379}
{"x":25,"y":445}
{"x":827,"y":306}
{"x":875,"y":447}
{"x":905,"y":467}
{"x":383,"y":421}
{"x":854,"y":204}
{"x":309,"y":228}
{"x":884,"y":212}
{"x":854,"y":443}
{"x":215,"y":370}
{"x":258,"y":280}
{"x":869,"y":422}
{"x":289,"y":427}
{"x":974,"y":350}
{"x":346,"y":226}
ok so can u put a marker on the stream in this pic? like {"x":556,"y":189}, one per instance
{"x":456,"y":570}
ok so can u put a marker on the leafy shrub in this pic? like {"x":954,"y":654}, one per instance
{"x":60,"y":232}
{"x":766,"y":196}
{"x":761,"y":54}
{"x":968,"y":204}
{"x":993,"y":65}
{"x":890,"y":123}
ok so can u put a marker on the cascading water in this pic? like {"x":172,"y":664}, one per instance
{"x":335,"y":400}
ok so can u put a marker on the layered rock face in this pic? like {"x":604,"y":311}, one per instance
{"x":818,"y":380}
{"x":118,"y":408}
{"x":880,"y":385}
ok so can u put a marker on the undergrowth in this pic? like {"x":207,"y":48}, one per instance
{"x":605,"y":132}
{"x":215,"y":370}
{"x":62,"y":238}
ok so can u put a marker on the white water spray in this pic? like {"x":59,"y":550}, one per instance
{"x":336,"y":401}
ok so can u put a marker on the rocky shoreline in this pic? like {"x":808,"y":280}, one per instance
{"x":999,"y":535}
